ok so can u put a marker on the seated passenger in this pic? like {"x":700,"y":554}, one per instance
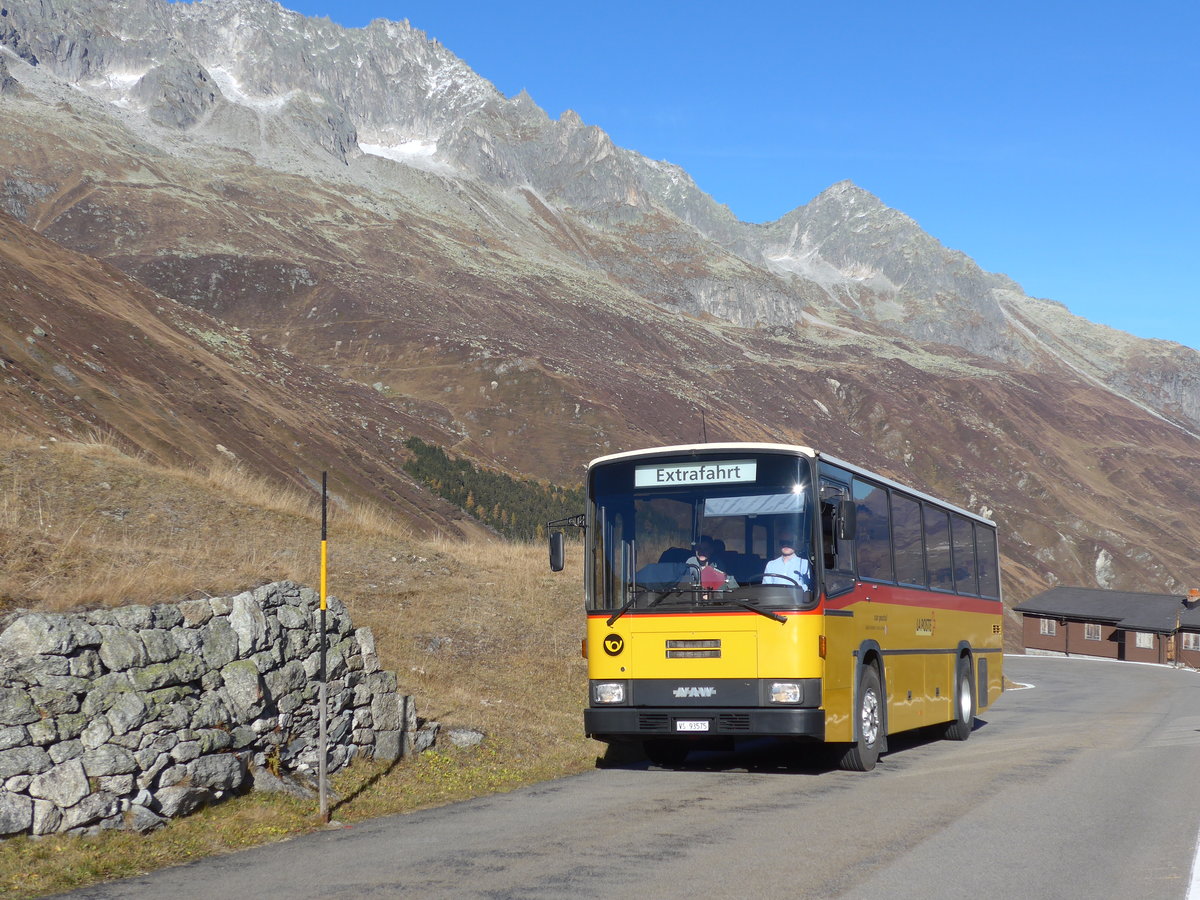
{"x":788,"y":568}
{"x":706,"y":571}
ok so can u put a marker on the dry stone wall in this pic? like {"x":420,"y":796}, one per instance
{"x":122,"y":718}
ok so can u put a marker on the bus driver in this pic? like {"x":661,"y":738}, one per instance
{"x":788,"y":568}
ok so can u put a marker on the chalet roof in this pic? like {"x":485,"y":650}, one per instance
{"x":1130,"y":610}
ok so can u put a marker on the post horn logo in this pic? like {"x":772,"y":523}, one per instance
{"x":614,"y":644}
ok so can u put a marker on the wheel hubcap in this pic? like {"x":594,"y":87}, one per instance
{"x":870,"y":717}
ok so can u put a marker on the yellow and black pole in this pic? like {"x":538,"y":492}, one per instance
{"x":323,"y":750}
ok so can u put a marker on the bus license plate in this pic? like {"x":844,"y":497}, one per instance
{"x":691,"y":725}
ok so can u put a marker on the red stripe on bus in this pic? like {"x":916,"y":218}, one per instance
{"x":896,"y":596}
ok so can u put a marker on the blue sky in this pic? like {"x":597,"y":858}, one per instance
{"x":1058,"y":143}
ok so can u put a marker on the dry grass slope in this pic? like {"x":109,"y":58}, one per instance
{"x":483,"y":635}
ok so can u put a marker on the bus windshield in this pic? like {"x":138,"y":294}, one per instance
{"x":690,"y":533}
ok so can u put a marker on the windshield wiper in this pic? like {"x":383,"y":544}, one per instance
{"x":746,"y":604}
{"x":624,"y":609}
{"x":637,"y":592}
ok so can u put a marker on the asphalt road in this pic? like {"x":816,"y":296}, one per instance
{"x":1083,"y":785}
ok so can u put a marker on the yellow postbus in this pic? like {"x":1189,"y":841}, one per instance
{"x":742,"y":590}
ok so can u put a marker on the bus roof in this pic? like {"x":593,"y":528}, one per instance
{"x":703,"y":448}
{"x":795,"y":449}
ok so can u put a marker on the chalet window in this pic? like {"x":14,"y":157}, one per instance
{"x":1048,"y":626}
{"x":1191,"y":640}
{"x":1143,"y":640}
{"x":1091,"y":632}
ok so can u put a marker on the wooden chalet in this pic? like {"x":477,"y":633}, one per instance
{"x":1073,"y":621}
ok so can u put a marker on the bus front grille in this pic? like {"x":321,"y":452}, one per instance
{"x":701,"y":649}
{"x":654,"y":722}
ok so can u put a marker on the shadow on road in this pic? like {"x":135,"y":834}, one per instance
{"x":767,"y":755}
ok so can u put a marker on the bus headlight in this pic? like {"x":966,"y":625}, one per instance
{"x":608,"y":692}
{"x":786,"y":692}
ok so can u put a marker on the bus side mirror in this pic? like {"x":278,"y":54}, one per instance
{"x":556,"y":551}
{"x":847,"y":520}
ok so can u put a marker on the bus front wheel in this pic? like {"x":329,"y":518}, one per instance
{"x":863,"y":753}
{"x":964,"y":703}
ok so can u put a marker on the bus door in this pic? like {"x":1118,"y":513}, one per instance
{"x":841,"y":631}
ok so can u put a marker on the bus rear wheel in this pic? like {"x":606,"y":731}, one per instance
{"x":668,"y":754}
{"x":862,"y":755}
{"x":964,"y":703}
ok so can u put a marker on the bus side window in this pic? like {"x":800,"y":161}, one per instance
{"x":838,"y":557}
{"x":828,"y":538}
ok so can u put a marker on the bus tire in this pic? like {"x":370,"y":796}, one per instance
{"x":862,"y":755}
{"x":668,"y":754}
{"x":964,"y":702}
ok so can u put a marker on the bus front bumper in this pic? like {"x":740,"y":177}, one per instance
{"x":700,"y":722}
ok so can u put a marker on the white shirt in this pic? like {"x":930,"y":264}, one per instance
{"x":794,"y":567}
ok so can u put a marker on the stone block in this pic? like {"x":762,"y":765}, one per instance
{"x":120,"y":785}
{"x":134,"y":617}
{"x":16,"y":813}
{"x":104,"y":691}
{"x":47,"y":633}
{"x":388,"y":746}
{"x":291,"y":617}
{"x":71,"y":725}
{"x":160,"y":645}
{"x":195,"y":612}
{"x":425,"y":737}
{"x":109,"y":760}
{"x":65,"y":750}
{"x":166,"y":615}
{"x":188,"y":640}
{"x":218,"y":771}
{"x":13,"y":736}
{"x":24,"y":761}
{"x":221,"y":606}
{"x":181,"y":799}
{"x":96,"y":734}
{"x":121,"y":649}
{"x":55,"y":702}
{"x":185,"y":751}
{"x":127,"y":712}
{"x":210,"y":711}
{"x":89,"y":810}
{"x":172,"y":775}
{"x":180,"y":671}
{"x":64,"y":785}
{"x":46,"y":817}
{"x":385,"y":712}
{"x":250,"y":623}
{"x":42,"y":732}
{"x":142,"y":820}
{"x":15,"y":707}
{"x":464,"y":738}
{"x":243,"y":692}
{"x":86,"y":664}
{"x":220,"y":642}
{"x":67,"y":684}
{"x":213,"y":740}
